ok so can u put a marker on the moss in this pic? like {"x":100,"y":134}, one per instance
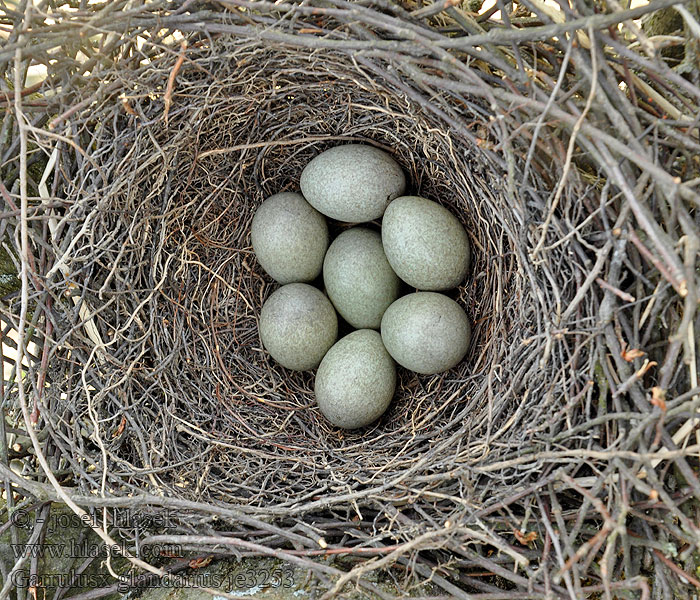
{"x":667,"y":21}
{"x":9,"y":280}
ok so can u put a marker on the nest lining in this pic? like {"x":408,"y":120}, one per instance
{"x":179,"y":209}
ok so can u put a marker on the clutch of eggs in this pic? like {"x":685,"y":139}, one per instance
{"x":365,"y":271}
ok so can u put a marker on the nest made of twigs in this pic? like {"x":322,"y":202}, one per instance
{"x":569,"y":158}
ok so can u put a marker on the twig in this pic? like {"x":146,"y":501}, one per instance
{"x":84,"y":103}
{"x":25,"y":92}
{"x":171,"y":80}
{"x":304,"y":140}
{"x":618,"y":292}
{"x":667,"y":274}
{"x":433,"y":9}
{"x":570,"y":148}
{"x":676,"y":569}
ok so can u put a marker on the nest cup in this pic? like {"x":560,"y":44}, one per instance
{"x":181,"y":276}
{"x":179,"y":378}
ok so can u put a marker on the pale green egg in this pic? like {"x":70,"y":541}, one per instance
{"x":352,"y":183}
{"x":358,"y":278}
{"x":356,"y":380}
{"x":298,"y":325}
{"x":426,"y":332}
{"x":425,"y":243}
{"x":289,"y":238}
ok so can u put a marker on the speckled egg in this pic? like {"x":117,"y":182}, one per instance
{"x":298,"y":325}
{"x":426,"y":332}
{"x":358,"y":278}
{"x":425,"y":244}
{"x":356,"y":380}
{"x":352,"y":183}
{"x":289,"y":238}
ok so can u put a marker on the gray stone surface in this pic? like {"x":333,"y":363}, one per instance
{"x":425,"y":243}
{"x":358,"y":278}
{"x":356,"y":380}
{"x":63,"y":553}
{"x":426,"y":332}
{"x":289,"y":238}
{"x":69,"y":544}
{"x":352,"y":183}
{"x":298,"y":325}
{"x":272,"y":579}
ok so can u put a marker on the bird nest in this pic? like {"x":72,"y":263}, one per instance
{"x":556,"y":460}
